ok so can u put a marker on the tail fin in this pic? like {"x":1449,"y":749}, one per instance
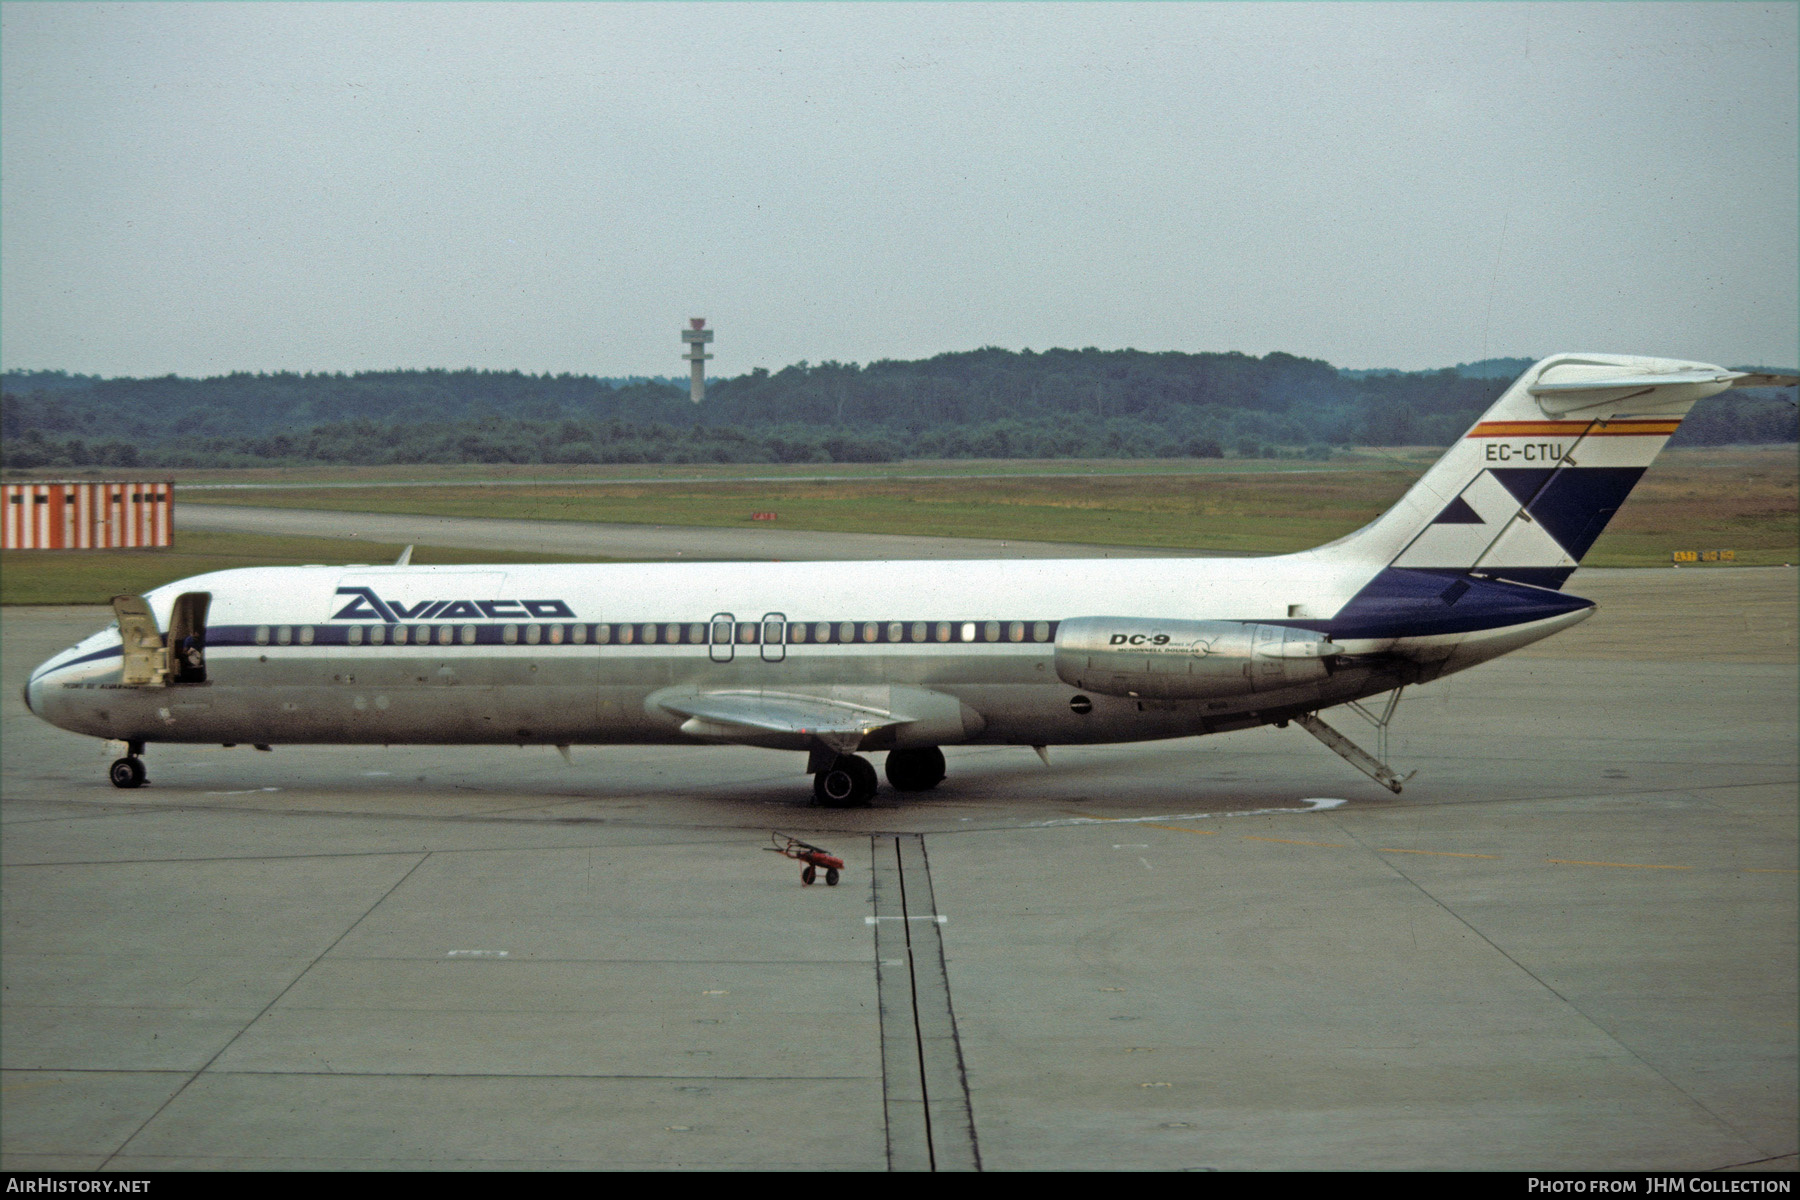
{"x":1524,"y":493}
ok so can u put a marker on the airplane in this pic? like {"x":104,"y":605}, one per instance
{"x":839,"y":660}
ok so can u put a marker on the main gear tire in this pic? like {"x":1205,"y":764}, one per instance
{"x":849,"y":782}
{"x":917,"y":770}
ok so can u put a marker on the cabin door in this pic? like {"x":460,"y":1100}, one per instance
{"x":187,"y":638}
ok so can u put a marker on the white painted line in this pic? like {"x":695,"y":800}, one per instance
{"x":1131,"y":845}
{"x":477,"y":954}
{"x":1317,"y":804}
{"x":939,"y":918}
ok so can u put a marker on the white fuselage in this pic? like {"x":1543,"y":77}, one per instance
{"x":553,"y":654}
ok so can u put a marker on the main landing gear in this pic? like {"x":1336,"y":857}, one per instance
{"x":848,"y":781}
{"x":915,"y":770}
{"x":128,"y":772}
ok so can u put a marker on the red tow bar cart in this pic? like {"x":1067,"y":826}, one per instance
{"x":812,"y":856}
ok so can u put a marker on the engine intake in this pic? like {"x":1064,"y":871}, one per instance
{"x":1186,"y":660}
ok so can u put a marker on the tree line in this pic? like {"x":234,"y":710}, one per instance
{"x":987,"y":403}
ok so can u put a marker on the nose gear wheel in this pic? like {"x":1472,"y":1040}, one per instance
{"x":127,"y":772}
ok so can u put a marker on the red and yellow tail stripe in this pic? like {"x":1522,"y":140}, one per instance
{"x":1626,"y":427}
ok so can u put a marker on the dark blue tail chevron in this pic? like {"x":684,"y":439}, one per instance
{"x":1410,"y":602}
{"x":1573,"y":504}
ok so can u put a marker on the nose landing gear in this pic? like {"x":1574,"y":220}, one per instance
{"x":128,"y":772}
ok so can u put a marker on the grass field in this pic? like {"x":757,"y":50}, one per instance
{"x":1712,"y":499}
{"x":508,"y":473}
{"x":1220,"y":513}
{"x":1742,"y":499}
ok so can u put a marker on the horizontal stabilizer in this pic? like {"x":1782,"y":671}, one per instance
{"x":1736,"y":379}
{"x":1573,"y":386}
{"x":1611,"y":383}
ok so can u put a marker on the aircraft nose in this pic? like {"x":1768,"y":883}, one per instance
{"x":37,"y":686}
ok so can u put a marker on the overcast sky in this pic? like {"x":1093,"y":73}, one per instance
{"x":202,"y":188}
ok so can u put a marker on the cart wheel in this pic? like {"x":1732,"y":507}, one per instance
{"x":831,"y":877}
{"x":811,"y":873}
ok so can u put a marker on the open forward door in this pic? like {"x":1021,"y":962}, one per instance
{"x":150,"y":663}
{"x":146,"y":662}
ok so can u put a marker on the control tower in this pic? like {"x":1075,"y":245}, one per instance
{"x":695,"y":336}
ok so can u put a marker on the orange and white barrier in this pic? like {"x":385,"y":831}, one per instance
{"x":60,"y":515}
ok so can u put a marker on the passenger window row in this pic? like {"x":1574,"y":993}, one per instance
{"x":694,"y":633}
{"x":843,"y":632}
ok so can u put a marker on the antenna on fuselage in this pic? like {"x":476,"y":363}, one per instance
{"x":405,"y":557}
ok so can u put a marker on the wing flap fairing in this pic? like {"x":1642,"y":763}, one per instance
{"x":841,"y":722}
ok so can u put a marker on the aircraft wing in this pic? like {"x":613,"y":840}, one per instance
{"x":798,"y":720}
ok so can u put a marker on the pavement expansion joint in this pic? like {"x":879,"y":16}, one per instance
{"x":930,"y":1123}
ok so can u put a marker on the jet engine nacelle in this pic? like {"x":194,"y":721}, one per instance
{"x":1186,"y":660}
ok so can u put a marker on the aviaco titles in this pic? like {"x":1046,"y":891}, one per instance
{"x":902,"y":658}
